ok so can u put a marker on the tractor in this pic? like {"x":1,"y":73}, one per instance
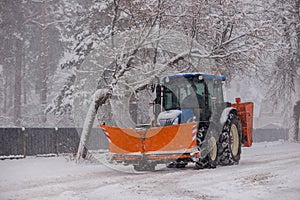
{"x":191,"y":124}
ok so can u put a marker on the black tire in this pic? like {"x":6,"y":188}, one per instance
{"x":177,"y":164}
{"x":208,"y":148}
{"x":230,"y":141}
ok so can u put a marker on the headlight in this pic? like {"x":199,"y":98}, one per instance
{"x":176,"y":121}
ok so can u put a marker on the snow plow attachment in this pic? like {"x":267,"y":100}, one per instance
{"x":245,"y":114}
{"x":156,"y":144}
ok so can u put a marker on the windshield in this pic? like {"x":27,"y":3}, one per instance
{"x":177,"y":90}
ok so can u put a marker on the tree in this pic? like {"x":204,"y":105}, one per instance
{"x":284,"y":77}
{"x":13,"y":25}
{"x":288,"y":55}
{"x":32,"y":52}
{"x":223,"y":28}
{"x":51,"y":21}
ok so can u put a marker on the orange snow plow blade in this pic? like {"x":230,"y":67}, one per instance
{"x":245,"y":114}
{"x":156,"y":142}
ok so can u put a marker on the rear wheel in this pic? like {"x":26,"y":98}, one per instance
{"x":229,"y":150}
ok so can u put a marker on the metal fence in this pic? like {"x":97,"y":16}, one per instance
{"x":269,"y":135}
{"x":11,"y":141}
{"x":35,"y":141}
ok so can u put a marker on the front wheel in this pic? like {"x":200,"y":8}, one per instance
{"x":230,"y":142}
{"x":210,"y":150}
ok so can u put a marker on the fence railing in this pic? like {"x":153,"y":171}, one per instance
{"x":34,"y":141}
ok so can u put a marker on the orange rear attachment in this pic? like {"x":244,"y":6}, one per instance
{"x":175,"y":138}
{"x":245,"y":114}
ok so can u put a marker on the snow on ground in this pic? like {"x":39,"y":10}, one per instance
{"x":266,"y":171}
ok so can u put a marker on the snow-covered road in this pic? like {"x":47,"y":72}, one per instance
{"x":266,"y":171}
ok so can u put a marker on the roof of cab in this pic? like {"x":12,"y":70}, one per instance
{"x":205,"y":76}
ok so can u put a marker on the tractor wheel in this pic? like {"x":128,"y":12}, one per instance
{"x":230,"y":141}
{"x":211,"y":151}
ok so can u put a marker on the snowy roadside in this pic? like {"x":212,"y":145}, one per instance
{"x":266,"y":171}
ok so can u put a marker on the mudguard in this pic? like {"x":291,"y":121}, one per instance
{"x":245,"y":114}
{"x":224,"y":115}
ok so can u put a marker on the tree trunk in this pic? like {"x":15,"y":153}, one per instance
{"x":10,"y":96}
{"x":43,"y":94}
{"x":294,"y":128}
{"x":18,"y":82}
{"x":5,"y":95}
{"x":1,"y":92}
{"x":133,"y":108}
{"x":24,"y":83}
{"x":24,"y":93}
{"x":297,"y":9}
{"x":296,"y":117}
{"x":99,"y":98}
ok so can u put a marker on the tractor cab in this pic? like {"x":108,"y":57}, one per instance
{"x":189,"y":97}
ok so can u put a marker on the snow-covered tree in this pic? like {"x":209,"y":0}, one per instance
{"x":34,"y":43}
{"x":12,"y":52}
{"x":229,"y":32}
{"x":283,"y":78}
